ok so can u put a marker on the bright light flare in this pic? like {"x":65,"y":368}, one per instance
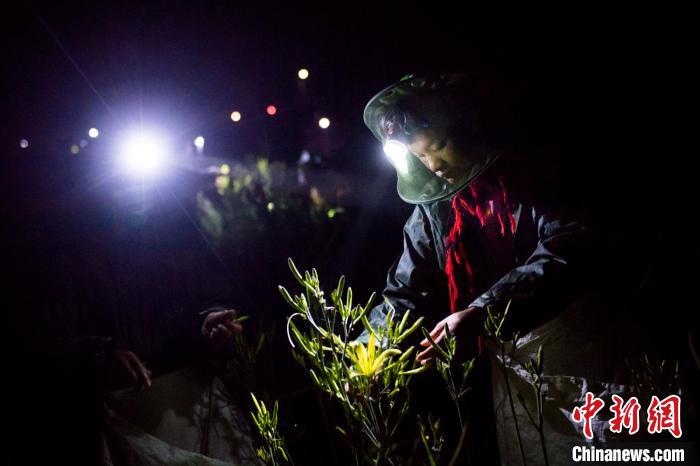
{"x":303,"y":74}
{"x":23,"y":143}
{"x":93,"y":133}
{"x":271,"y":110}
{"x":142,"y":154}
{"x":199,"y":142}
{"x":324,"y":122}
{"x":397,"y":153}
{"x":236,"y":116}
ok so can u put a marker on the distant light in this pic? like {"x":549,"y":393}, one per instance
{"x":324,"y":122}
{"x":83,"y":143}
{"x":305,"y":156}
{"x":142,"y":154}
{"x":23,"y":143}
{"x":303,"y":73}
{"x":271,"y":110}
{"x":224,"y":169}
{"x":270,"y":206}
{"x":331,"y":213}
{"x":236,"y":116}
{"x":199,"y":142}
{"x":397,"y":152}
{"x":74,"y":149}
{"x":93,"y":133}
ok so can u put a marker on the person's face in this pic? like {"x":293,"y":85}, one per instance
{"x":438,"y":154}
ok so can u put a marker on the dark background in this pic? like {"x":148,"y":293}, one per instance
{"x":607,"y":95}
{"x":608,"y":91}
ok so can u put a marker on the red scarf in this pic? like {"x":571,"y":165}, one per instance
{"x":483,"y":220}
{"x":482,"y":217}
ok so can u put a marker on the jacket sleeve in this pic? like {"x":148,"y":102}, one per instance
{"x":555,"y":272}
{"x":414,"y":281}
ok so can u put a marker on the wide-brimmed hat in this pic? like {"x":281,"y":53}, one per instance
{"x":435,"y":98}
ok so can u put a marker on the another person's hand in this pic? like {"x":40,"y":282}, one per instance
{"x":126,"y":369}
{"x":464,"y":325}
{"x":219,"y":329}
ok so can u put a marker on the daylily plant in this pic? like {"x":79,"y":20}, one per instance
{"x":369,"y":381}
{"x":366,"y":362}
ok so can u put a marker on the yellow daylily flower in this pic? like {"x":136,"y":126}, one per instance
{"x":365,"y":360}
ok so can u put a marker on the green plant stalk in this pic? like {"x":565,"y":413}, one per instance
{"x":510,"y":401}
{"x":326,"y":425}
{"x":455,"y":397}
{"x":494,"y":328}
{"x":428,"y":453}
{"x":540,"y":425}
{"x":535,"y":368}
{"x":462,"y":438}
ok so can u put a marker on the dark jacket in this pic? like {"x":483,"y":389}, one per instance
{"x":550,"y":255}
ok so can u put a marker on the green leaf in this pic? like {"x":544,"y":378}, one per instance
{"x":369,"y":328}
{"x":314,"y":377}
{"x":415,"y":371}
{"x":342,"y":432}
{"x":406,"y":354}
{"x":303,"y":342}
{"x":437,"y":347}
{"x":362,"y":314}
{"x":388,"y":319}
{"x":341,"y":285}
{"x":371,"y":300}
{"x":295,"y":271}
{"x":255,"y":401}
{"x":411,"y":329}
{"x":287,"y":297}
{"x":503,"y":319}
{"x":404,"y":319}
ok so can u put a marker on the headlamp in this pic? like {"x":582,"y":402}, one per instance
{"x":397,"y":153}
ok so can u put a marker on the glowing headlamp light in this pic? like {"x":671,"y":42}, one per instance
{"x":397,"y":152}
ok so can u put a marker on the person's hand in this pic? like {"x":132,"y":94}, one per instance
{"x":464,"y":325}
{"x":219,"y":329}
{"x":126,"y":369}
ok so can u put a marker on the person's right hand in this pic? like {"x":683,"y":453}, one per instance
{"x":464,"y":325}
{"x":126,"y":369}
{"x":219,"y":329}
